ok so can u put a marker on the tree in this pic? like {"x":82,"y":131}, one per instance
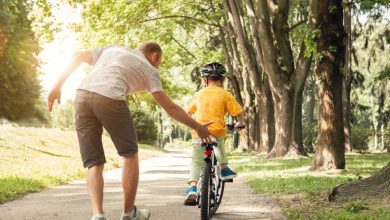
{"x":347,"y":79}
{"x":375,"y":185}
{"x":379,"y":183}
{"x":19,"y":84}
{"x":330,"y":152}
{"x":262,"y":32}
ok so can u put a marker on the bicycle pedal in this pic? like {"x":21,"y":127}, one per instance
{"x":228,"y":181}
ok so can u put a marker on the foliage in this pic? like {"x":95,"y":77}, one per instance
{"x":145,"y":125}
{"x":360,"y":137}
{"x":309,"y":135}
{"x":182,"y":28}
{"x":19,"y":84}
{"x":370,"y":106}
{"x":63,"y":116}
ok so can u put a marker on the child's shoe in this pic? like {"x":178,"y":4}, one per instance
{"x":227,"y":173}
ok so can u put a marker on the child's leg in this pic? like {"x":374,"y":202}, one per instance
{"x":220,"y":152}
{"x":197,"y":162}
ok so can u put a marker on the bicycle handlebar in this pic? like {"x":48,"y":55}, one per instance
{"x":231,"y":126}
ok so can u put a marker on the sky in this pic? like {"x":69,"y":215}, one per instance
{"x":56,"y":55}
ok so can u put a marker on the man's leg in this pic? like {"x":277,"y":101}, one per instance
{"x":89,"y":133}
{"x":95,"y":184}
{"x":130,"y":177}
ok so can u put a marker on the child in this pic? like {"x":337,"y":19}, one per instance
{"x":211,"y":103}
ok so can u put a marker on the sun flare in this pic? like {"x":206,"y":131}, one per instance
{"x":56,"y":55}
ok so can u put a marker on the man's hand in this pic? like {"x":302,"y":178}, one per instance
{"x":179,"y":114}
{"x":55,"y":94}
{"x":204,"y":133}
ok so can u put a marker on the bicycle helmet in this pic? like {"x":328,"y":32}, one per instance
{"x":212,"y":68}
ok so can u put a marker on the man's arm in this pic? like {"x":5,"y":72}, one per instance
{"x":76,"y":60}
{"x":179,"y":114}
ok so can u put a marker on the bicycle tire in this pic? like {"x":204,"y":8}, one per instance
{"x":218,"y":195}
{"x":205,"y":191}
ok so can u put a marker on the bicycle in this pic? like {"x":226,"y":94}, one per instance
{"x":210,"y":184}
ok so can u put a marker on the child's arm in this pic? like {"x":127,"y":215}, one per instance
{"x":240,"y":121}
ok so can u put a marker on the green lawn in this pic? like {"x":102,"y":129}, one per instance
{"x":32,"y":159}
{"x":302,"y":193}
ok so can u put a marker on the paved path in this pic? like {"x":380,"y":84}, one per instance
{"x":161,"y":190}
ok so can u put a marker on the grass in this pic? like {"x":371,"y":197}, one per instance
{"x":306,"y":184}
{"x":33,"y":159}
{"x":178,"y":144}
{"x":302,"y":193}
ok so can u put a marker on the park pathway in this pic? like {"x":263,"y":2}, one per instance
{"x":161,"y":190}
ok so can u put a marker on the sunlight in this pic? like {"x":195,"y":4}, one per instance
{"x":55,"y":55}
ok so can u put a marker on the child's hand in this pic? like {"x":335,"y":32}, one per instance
{"x":239,"y":126}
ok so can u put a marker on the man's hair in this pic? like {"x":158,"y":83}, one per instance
{"x":149,"y":47}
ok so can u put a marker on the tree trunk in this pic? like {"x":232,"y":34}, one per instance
{"x":373,"y":186}
{"x":310,"y":108}
{"x":347,"y":80}
{"x":330,"y":152}
{"x":297,"y":141}
{"x":283,"y":116}
{"x":161,"y":141}
{"x":267,"y":121}
{"x":257,"y":131}
{"x":301,"y":72}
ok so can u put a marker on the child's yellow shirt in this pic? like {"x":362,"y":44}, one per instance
{"x":211,"y":104}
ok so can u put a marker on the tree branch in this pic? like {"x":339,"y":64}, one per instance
{"x":176,"y":41}
{"x":297,"y":24}
{"x":180,"y":17}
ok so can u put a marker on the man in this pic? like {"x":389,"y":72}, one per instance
{"x":100,"y":102}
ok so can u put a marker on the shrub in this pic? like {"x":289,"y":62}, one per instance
{"x":309,"y":135}
{"x":145,"y":125}
{"x":359,"y":138}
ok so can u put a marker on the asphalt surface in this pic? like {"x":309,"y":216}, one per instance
{"x":161,"y":190}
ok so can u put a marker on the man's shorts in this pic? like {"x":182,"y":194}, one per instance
{"x":93,"y":112}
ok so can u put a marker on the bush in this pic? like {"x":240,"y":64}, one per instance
{"x":145,"y":125}
{"x":309,"y":135}
{"x":359,"y":138}
{"x":63,"y":116}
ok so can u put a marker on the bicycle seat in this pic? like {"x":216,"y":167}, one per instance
{"x":213,"y":142}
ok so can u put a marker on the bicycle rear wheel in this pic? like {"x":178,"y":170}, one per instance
{"x":218,"y":188}
{"x":205,"y":191}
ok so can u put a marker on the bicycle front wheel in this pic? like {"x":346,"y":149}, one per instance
{"x":205,"y":191}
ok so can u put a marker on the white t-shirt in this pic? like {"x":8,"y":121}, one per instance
{"x":119,"y":71}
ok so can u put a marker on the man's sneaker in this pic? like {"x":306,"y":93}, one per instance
{"x":191,"y":196}
{"x":227,"y":173}
{"x":99,"y":217}
{"x":140,"y":214}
